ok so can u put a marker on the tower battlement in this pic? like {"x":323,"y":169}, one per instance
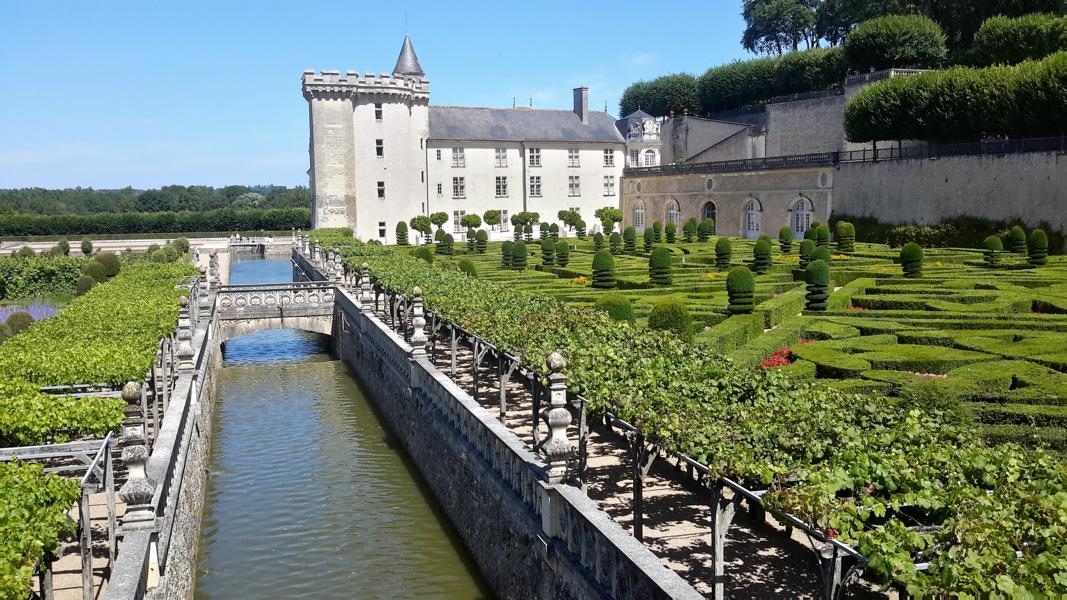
{"x":333,"y":84}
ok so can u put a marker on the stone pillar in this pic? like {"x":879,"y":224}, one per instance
{"x":316,"y":254}
{"x":366,"y":296}
{"x":339,"y":270}
{"x":213,"y":269}
{"x":294,"y":237}
{"x":557,"y":449}
{"x":138,"y":489}
{"x":418,"y":324}
{"x":185,"y":336}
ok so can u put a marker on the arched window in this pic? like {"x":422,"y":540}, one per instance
{"x":650,"y":158}
{"x":672,"y":211}
{"x":707,"y":211}
{"x":639,"y":215}
{"x":802,"y":217}
{"x":752,"y":217}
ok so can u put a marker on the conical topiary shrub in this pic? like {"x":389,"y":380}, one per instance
{"x":822,"y":236}
{"x":811,"y":233}
{"x":629,"y":238}
{"x":598,"y":241}
{"x":518,"y":232}
{"x":806,"y":248}
{"x":1018,"y":240}
{"x":689,"y":231}
{"x":820,"y":253}
{"x":761,"y":256}
{"x":818,"y":278}
{"x":785,"y":239}
{"x":657,"y":232}
{"x":506,"y":251}
{"x":911,"y":260}
{"x":548,"y":252}
{"x":1037,"y":249}
{"x":846,"y":236}
{"x":563,"y":253}
{"x":705,"y":230}
{"x":401,"y":234}
{"x":472,"y":241}
{"x":553,"y":231}
{"x":993,"y":247}
{"x":650,"y":240}
{"x":481,"y":241}
{"x":615,"y":242}
{"x":740,"y":286}
{"x":671,"y":233}
{"x":604,"y":270}
{"x":518,"y":256}
{"x":579,"y":229}
{"x":723,"y":250}
{"x":659,"y":266}
{"x":543,"y":231}
{"x":447,"y":245}
{"x":527,"y":232}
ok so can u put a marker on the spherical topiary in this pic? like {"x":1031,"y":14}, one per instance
{"x":722,"y":253}
{"x":423,"y":252}
{"x":820,"y":253}
{"x":705,"y":230}
{"x":846,"y":236}
{"x":506,"y":250}
{"x":19,"y":322}
{"x":466,"y":266}
{"x":87,"y":246}
{"x":527,"y":232}
{"x":806,"y":248}
{"x":811,"y":233}
{"x":740,"y":286}
{"x":598,"y":241}
{"x":785,"y":239}
{"x":152,"y":248}
{"x":1037,"y":249}
{"x":689,"y":231}
{"x":563,"y":253}
{"x":617,"y":306}
{"x":671,"y":314}
{"x":181,"y":244}
{"x":657,"y":232}
{"x":650,"y":239}
{"x":761,"y":256}
{"x":110,"y":262}
{"x":817,"y":275}
{"x":401,"y":234}
{"x":615,"y":242}
{"x":25,"y":252}
{"x":659,"y":266}
{"x":604,"y":270}
{"x":579,"y":229}
{"x":85,"y":283}
{"x":993,"y":246}
{"x":548,"y":252}
{"x":629,"y":238}
{"x":157,"y":256}
{"x":439,"y":235}
{"x":1018,"y":240}
{"x":671,"y":232}
{"x":97,"y":272}
{"x":63,"y":247}
{"x":911,"y":260}
{"x":518,"y":256}
{"x":553,"y":231}
{"x":170,"y":252}
{"x":481,"y":241}
{"x":822,"y":235}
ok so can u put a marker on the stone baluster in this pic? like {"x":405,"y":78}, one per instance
{"x":316,"y":254}
{"x":185,"y":336}
{"x":418,"y":324}
{"x":138,"y":490}
{"x":557,"y":449}
{"x":339,"y":270}
{"x":329,"y":264}
{"x":213,"y":269}
{"x":304,"y":241}
{"x":366,"y":296}
{"x":294,"y":237}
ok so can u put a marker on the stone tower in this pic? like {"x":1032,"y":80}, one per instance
{"x":367,"y":140}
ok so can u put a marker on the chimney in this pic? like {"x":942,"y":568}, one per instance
{"x":581,"y":103}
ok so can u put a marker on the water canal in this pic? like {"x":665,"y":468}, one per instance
{"x":308,"y":496}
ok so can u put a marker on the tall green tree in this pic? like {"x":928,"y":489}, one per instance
{"x":779,"y":26}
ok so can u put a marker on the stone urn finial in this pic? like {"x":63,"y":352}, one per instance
{"x":185,"y":336}
{"x":418,"y":323}
{"x":366,"y":297}
{"x":558,"y":448}
{"x":131,"y":392}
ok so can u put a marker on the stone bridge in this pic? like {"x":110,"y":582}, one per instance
{"x":242,"y":309}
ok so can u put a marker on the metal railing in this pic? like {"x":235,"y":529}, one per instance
{"x":794,"y":161}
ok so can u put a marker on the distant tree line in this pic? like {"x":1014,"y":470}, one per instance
{"x":103,"y":223}
{"x":171,"y":198}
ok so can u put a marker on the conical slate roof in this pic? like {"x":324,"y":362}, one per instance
{"x":407,"y":63}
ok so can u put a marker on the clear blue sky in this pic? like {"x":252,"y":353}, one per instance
{"x":144,"y":93}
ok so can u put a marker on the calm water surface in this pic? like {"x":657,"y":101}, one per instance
{"x":308,"y":496}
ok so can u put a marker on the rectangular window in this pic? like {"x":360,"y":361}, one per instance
{"x":504,"y":220}
{"x":457,"y":216}
{"x":381,"y":189}
{"x":575,"y":209}
{"x":422,"y":176}
{"x":635,"y":158}
{"x":381,"y":229}
{"x":572,"y":157}
{"x":650,"y":158}
{"x":609,"y":185}
{"x":501,"y":157}
{"x":377,"y":111}
{"x":439,"y":190}
{"x":609,"y":157}
{"x":438,"y":154}
{"x":535,"y":186}
{"x":574,"y":185}
{"x":535,"y":158}
{"x":379,"y":147}
{"x":501,"y":187}
{"x":458,"y":158}
{"x":459,"y":187}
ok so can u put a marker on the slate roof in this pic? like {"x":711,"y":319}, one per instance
{"x":520,"y":125}
{"x":407,"y":63}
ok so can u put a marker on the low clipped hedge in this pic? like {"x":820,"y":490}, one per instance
{"x":734,"y":332}
{"x":1004,"y":40}
{"x":672,"y":314}
{"x":618,"y":307}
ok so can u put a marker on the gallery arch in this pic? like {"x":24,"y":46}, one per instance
{"x":639,"y":215}
{"x":801,"y":216}
{"x":708,"y":211}
{"x":672,"y":211}
{"x":752,"y":218}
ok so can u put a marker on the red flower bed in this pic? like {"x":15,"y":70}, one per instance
{"x":779,"y":359}
{"x":856,"y":308}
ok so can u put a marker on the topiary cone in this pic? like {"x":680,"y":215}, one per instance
{"x":761,"y":256}
{"x":615,"y":242}
{"x":506,"y":250}
{"x":650,"y":239}
{"x":723,"y":249}
{"x":659,"y":267}
{"x":1037,"y":248}
{"x":785,"y":239}
{"x":598,"y":241}
{"x":806,"y":249}
{"x":671,"y":233}
{"x":846,"y":237}
{"x":630,"y":239}
{"x":740,"y":288}
{"x":993,"y":246}
{"x":548,"y":252}
{"x":482,"y":241}
{"x":563,"y":253}
{"x":518,"y":256}
{"x":604,"y":270}
{"x":817,"y":275}
{"x":911,"y":260}
{"x":1018,"y":240}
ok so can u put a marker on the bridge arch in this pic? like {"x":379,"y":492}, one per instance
{"x":244,"y":309}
